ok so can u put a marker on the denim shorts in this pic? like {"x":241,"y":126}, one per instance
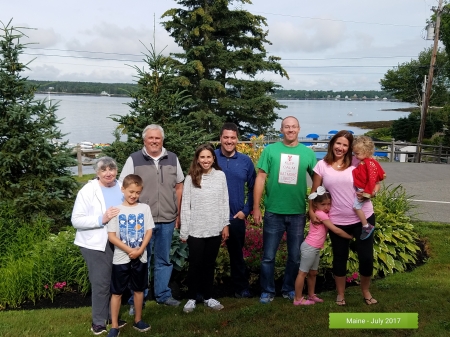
{"x":310,"y":257}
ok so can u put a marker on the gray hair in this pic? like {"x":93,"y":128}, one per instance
{"x":104,"y":162}
{"x":153,"y":127}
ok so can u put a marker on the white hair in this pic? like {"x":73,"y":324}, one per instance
{"x":153,"y":127}
{"x":104,"y":162}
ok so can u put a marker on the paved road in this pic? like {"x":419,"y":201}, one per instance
{"x":428,"y":185}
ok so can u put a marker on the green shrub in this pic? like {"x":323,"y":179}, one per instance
{"x":18,"y":234}
{"x":179,"y":252}
{"x":395,"y":247}
{"x":42,"y":270}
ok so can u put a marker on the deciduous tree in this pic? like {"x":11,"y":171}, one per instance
{"x":406,"y":80}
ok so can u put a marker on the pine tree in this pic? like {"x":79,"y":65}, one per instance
{"x":157,"y":100}
{"x":34,"y":168}
{"x":224,"y":57}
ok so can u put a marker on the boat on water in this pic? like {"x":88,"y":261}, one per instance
{"x":86,"y":145}
{"x":104,"y":93}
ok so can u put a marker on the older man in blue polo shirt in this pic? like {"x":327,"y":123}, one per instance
{"x":239,"y":171}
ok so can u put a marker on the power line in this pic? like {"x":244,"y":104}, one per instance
{"x":338,"y":20}
{"x":309,"y":67}
{"x":286,"y":66}
{"x":82,"y":57}
{"x":86,"y":51}
{"x":284,"y":59}
{"x":346,"y":58}
{"x":84,"y":65}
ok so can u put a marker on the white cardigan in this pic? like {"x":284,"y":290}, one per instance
{"x":89,"y":206}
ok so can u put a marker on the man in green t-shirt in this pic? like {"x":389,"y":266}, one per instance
{"x":285,"y":165}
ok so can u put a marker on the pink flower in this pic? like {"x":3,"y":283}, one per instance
{"x":46,"y":286}
{"x":355,"y":276}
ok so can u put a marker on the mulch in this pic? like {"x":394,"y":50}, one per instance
{"x":75,"y":299}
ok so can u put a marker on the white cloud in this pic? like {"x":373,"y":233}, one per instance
{"x":43,"y":73}
{"x":309,"y":36}
{"x":111,"y":38}
{"x":40,"y":37}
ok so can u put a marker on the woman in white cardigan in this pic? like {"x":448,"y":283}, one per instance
{"x":204,"y":223}
{"x":94,"y":207}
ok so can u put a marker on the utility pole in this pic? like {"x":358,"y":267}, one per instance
{"x":426,"y":100}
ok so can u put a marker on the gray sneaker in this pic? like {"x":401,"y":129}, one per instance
{"x":189,"y":307}
{"x":213,"y":304}
{"x":171,"y":302}
{"x":131,"y":312}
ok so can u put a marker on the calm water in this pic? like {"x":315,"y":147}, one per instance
{"x":86,"y":118}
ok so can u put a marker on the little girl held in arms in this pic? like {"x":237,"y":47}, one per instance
{"x":310,"y":248}
{"x":366,"y":176}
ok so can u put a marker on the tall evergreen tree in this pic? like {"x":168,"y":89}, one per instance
{"x":157,"y":100}
{"x":34,"y":169}
{"x":224,"y":55}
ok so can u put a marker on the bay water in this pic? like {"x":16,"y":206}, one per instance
{"x":87,"y":118}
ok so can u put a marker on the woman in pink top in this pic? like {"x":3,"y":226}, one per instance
{"x":334,"y":172}
{"x":310,"y":248}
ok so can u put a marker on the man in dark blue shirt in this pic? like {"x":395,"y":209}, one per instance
{"x":239,"y":171}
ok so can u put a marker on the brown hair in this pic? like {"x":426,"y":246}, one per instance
{"x":132,"y":179}
{"x":329,"y":157}
{"x":320,"y":198}
{"x":365,"y":144}
{"x":195,"y":171}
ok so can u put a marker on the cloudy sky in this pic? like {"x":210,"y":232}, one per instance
{"x":324,"y":45}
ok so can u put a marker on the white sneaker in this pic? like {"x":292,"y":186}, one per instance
{"x":189,"y":306}
{"x":213,"y":304}
{"x":131,"y":312}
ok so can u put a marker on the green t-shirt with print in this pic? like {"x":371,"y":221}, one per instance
{"x":286,"y":169}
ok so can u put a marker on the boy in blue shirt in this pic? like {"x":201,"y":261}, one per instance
{"x":130,"y":231}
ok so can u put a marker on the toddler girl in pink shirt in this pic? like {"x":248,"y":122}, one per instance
{"x":310,"y":248}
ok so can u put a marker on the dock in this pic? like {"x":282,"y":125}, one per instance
{"x":87,"y":153}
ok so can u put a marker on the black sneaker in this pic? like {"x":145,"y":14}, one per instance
{"x":98,"y":329}
{"x":141,"y":326}
{"x":122,"y":323}
{"x":366,"y":231}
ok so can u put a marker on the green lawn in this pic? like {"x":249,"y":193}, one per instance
{"x":425,"y":290}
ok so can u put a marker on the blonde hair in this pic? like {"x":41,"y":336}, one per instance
{"x":365,"y":145}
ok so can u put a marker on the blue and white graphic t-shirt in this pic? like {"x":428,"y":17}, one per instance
{"x":130,"y":227}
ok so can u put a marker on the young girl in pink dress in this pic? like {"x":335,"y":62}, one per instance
{"x":310,"y":248}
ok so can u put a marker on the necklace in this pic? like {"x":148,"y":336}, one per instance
{"x":339,"y":166}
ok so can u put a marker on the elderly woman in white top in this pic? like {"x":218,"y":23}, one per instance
{"x":94,"y":208}
{"x":204,"y":223}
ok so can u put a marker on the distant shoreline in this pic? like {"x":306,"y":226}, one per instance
{"x":53,"y":93}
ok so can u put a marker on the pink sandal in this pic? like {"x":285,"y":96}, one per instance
{"x":315,"y":299}
{"x":304,"y":301}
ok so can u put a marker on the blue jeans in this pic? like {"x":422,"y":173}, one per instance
{"x":273,"y":229}
{"x":162,"y":241}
